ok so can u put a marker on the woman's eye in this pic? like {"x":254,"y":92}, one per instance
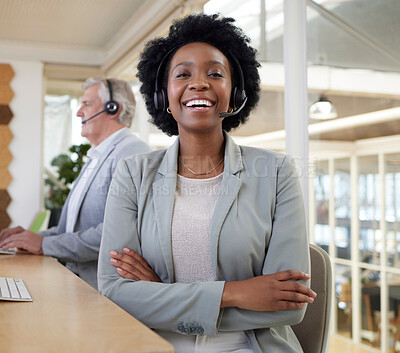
{"x":215,"y":74}
{"x":182,"y":74}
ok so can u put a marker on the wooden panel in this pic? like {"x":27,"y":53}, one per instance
{"x":6,"y":73}
{"x":6,"y":94}
{"x":5,"y":114}
{"x":5,"y":157}
{"x":5,"y":200}
{"x":5,"y":220}
{"x":5,"y":136}
{"x":5,"y":178}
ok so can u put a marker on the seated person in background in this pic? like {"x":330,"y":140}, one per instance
{"x":206,"y":241}
{"x":107,"y":110}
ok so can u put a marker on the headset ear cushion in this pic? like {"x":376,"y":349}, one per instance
{"x":160,"y":100}
{"x":165,"y":102}
{"x":236,"y":98}
{"x":111,"y":107}
{"x":157,"y":100}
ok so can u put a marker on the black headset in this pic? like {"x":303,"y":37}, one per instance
{"x":111,"y":107}
{"x":238,"y":95}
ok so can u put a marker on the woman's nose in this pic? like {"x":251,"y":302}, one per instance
{"x":199,"y":83}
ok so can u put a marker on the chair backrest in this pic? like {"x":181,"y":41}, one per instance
{"x":40,"y":222}
{"x":313,"y":331}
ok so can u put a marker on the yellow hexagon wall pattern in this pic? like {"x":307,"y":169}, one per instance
{"x":6,"y":96}
{"x":6,"y":73}
{"x":5,"y":136}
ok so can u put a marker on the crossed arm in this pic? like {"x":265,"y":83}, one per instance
{"x":278,"y":291}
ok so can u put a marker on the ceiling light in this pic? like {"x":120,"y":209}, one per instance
{"x":322,"y":109}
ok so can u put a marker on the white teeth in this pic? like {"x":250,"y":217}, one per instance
{"x":199,"y":102}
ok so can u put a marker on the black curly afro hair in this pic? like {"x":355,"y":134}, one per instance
{"x":216,"y":31}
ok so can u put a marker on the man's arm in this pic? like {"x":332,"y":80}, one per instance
{"x":80,"y":246}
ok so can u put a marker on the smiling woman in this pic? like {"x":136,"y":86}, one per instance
{"x":214,"y":254}
{"x":199,"y":88}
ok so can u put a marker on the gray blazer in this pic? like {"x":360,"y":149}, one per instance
{"x":79,"y":250}
{"x":258,"y":227}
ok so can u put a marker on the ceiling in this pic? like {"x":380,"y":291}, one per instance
{"x":354,"y":41}
{"x":97,"y":34}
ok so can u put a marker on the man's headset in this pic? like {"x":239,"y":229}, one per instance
{"x":238,"y":95}
{"x":111,"y":107}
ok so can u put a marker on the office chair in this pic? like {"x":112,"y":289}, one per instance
{"x":40,"y":222}
{"x":313,"y":331}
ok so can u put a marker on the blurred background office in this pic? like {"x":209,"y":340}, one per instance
{"x":351,"y":170}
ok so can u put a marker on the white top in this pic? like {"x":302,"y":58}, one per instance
{"x":94,"y":154}
{"x":195,"y":201}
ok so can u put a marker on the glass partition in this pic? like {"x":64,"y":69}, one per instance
{"x":342,"y":191}
{"x":392,"y":215}
{"x":369,"y":191}
{"x":322,"y":235}
{"x":343,"y":300}
{"x":370,"y":306}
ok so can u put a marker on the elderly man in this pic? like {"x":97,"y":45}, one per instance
{"x":107,"y":109}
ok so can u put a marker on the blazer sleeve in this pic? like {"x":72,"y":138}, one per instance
{"x":80,"y":246}
{"x":48,"y":232}
{"x":184,"y":308}
{"x":288,"y":249}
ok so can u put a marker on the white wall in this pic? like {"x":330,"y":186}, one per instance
{"x":26,"y":147}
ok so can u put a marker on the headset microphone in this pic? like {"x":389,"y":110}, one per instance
{"x":93,"y":116}
{"x":227,"y":114}
{"x":111,"y":107}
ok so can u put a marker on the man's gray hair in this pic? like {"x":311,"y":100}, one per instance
{"x":121,"y":92}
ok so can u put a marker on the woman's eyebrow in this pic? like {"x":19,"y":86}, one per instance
{"x":185,"y":63}
{"x":188,"y":63}
{"x":216,"y":62}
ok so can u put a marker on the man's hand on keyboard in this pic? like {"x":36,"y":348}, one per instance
{"x":6,"y":232}
{"x":26,"y":240}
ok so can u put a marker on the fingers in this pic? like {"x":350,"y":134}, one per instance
{"x":291,"y":275}
{"x":297,"y":291}
{"x":133,"y":266}
{"x":9,"y":241}
{"x":26,"y":240}
{"x":5,"y":233}
{"x":293,"y":296}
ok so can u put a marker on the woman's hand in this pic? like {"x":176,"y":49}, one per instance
{"x":131,"y":265}
{"x":278,"y":291}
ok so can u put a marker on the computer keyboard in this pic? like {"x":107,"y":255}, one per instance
{"x":10,"y":251}
{"x":14,"y":290}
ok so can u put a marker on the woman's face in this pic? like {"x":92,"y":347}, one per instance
{"x":199,"y":87}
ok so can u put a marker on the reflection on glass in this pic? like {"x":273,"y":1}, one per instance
{"x":246,"y":13}
{"x":342,"y":208}
{"x":343,"y":300}
{"x":369,"y":209}
{"x":394,"y":310}
{"x":322,"y":192}
{"x":370,"y":307}
{"x":392,"y":203}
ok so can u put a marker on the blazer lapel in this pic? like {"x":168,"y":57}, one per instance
{"x":93,"y":174}
{"x":230,"y":187}
{"x":164,"y":197}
